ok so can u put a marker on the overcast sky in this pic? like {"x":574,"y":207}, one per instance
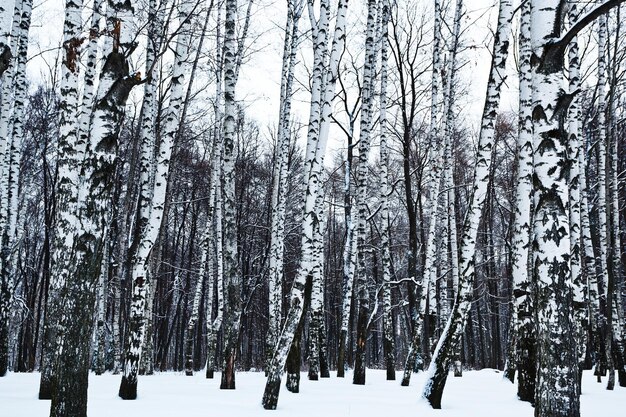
{"x":258,"y":86}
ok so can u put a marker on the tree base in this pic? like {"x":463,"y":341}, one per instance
{"x":272,"y":389}
{"x":293,"y":383}
{"x":45,"y":390}
{"x":128,"y":390}
{"x":210,"y":373}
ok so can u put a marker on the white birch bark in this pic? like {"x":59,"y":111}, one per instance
{"x":603,"y":207}
{"x":523,"y":288}
{"x":232,"y":274}
{"x":317,"y":294}
{"x":556,"y":393}
{"x":385,"y":245}
{"x":66,"y":190}
{"x":11,"y":172}
{"x":574,"y":134}
{"x":451,"y":336}
{"x":365,"y":134}
{"x":213,"y":325}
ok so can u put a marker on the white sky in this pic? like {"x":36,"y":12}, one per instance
{"x":258,"y":87}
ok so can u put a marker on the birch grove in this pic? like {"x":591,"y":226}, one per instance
{"x":351,"y":190}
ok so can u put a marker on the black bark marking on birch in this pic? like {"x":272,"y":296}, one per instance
{"x":5,"y":59}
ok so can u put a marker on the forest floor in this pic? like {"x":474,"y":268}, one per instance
{"x":172,"y":394}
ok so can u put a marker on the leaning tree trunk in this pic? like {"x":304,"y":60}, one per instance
{"x":279,"y":185}
{"x":140,"y":264}
{"x":314,"y":160}
{"x":5,"y":32}
{"x":523,"y":287}
{"x":451,"y":336}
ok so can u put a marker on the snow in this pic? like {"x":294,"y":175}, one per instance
{"x":478,"y":393}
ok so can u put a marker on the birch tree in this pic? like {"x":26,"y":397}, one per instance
{"x":523,"y":289}
{"x":365,"y":133}
{"x":279,"y":184}
{"x":69,"y":395}
{"x":11,"y":133}
{"x":451,"y":336}
{"x":322,"y":93}
{"x":388,"y":333}
{"x":155,"y":206}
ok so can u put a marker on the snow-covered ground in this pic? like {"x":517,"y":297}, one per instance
{"x":478,"y":394}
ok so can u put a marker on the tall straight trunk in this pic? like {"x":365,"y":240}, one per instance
{"x":232,"y":273}
{"x":213,"y":325}
{"x":556,"y":391}
{"x":279,"y":184}
{"x":101,"y":302}
{"x":522,"y":283}
{"x":604,"y":228}
{"x":148,"y":236}
{"x":317,"y":293}
{"x":448,"y":179}
{"x":69,"y":396}
{"x":574,"y":133}
{"x":429,"y":272}
{"x":385,"y":235}
{"x":11,"y":131}
{"x":365,"y":134}
{"x":66,"y":192}
{"x":451,"y":336}
{"x":319,"y":123}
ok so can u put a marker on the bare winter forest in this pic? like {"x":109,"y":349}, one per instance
{"x":352,"y":192}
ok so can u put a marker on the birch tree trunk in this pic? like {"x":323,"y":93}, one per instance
{"x":367,"y":109}
{"x":388,"y":333}
{"x":451,"y":336}
{"x":574,"y":133}
{"x":556,"y":393}
{"x":448,"y":179}
{"x":148,"y":236}
{"x":279,"y":184}
{"x":523,"y":287}
{"x":232,"y":275}
{"x":603,"y":225}
{"x":12,"y":136}
{"x":69,"y":396}
{"x":66,"y":192}
{"x":213,"y":325}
